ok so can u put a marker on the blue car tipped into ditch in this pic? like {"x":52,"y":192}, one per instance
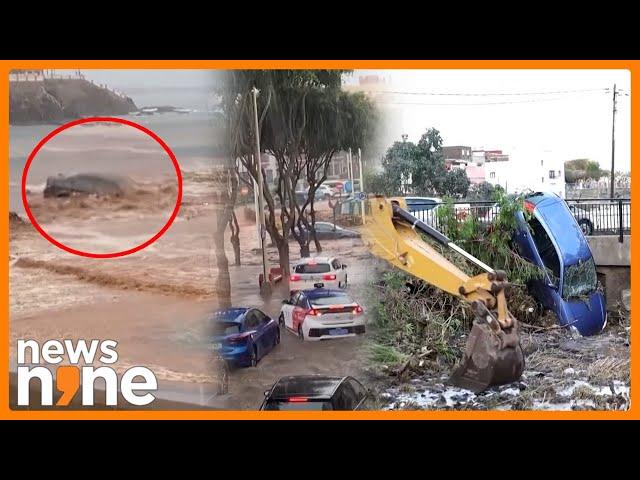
{"x":553,"y":240}
{"x":243,"y":336}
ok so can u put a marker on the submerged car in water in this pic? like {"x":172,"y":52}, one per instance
{"x":243,"y":336}
{"x":552,"y":239}
{"x":315,"y":392}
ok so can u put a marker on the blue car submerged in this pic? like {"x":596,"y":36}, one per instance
{"x":243,"y":336}
{"x":553,"y":240}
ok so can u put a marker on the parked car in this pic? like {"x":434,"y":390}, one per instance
{"x":322,"y":313}
{"x":302,"y":195}
{"x":596,"y":217}
{"x":243,"y":336}
{"x":315,"y":392}
{"x":331,"y":231}
{"x":553,"y":240}
{"x":324,"y":192}
{"x":422,"y":204}
{"x":328,"y":270}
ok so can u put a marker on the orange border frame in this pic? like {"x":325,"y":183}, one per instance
{"x":5,"y":66}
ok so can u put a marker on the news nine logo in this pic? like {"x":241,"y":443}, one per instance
{"x":135,"y":384}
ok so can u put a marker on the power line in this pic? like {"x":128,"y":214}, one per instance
{"x":471,"y":104}
{"x":459,"y":94}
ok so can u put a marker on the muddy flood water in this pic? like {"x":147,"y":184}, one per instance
{"x":155,"y":302}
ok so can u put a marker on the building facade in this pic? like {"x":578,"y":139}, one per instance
{"x":539,"y":172}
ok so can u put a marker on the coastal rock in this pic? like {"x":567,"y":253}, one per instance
{"x":57,"y":100}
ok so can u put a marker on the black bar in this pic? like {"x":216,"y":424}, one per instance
{"x":420,"y":225}
{"x":621,"y":238}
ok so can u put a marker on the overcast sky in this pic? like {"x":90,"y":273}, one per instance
{"x":571,"y":125}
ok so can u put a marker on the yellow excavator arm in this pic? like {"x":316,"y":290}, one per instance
{"x":493,"y":355}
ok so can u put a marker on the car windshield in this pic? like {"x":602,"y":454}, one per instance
{"x":580,"y":279}
{"x":313,"y":268}
{"x":226,"y":328}
{"x":310,"y":405}
{"x":336,"y":299}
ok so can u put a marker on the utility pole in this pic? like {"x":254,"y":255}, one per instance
{"x":353,"y":183}
{"x":613,"y":142}
{"x":361,"y":183}
{"x":265,"y":287}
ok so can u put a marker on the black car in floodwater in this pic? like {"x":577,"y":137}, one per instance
{"x":331,"y":231}
{"x":315,"y":392}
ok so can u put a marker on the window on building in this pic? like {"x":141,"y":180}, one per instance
{"x":492,"y":175}
{"x":559,"y":173}
{"x":541,"y":162}
{"x":552,"y":174}
{"x":542,"y":179}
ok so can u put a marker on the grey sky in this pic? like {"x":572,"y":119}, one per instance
{"x":150,"y":78}
{"x":574,"y":125}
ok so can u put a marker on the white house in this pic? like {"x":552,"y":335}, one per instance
{"x":541,"y":172}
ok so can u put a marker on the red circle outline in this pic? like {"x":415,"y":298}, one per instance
{"x":122,"y":121}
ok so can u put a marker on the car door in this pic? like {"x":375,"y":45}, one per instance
{"x":267,"y":328}
{"x":360,"y":392}
{"x":535,"y":246}
{"x":250,"y":324}
{"x":299,"y":311}
{"x":287,"y":310}
{"x":336,"y":266}
{"x":323,"y":231}
{"x":345,"y":397}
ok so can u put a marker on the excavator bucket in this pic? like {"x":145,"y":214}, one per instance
{"x":491,"y":358}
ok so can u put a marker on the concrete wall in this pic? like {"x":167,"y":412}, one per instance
{"x":608,"y":251}
{"x":613,"y":260}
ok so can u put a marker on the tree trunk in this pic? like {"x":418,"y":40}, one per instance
{"x":223,"y":287}
{"x":235,"y":238}
{"x":313,"y":229}
{"x":283,"y":254}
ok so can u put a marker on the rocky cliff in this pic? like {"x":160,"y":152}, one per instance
{"x":59,"y":100}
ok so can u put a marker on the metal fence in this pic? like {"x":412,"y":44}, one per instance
{"x":595,"y":216}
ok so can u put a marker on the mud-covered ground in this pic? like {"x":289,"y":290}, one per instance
{"x":562,"y":372}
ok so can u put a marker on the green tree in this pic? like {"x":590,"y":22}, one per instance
{"x":482,"y":192}
{"x":304,"y":119}
{"x":420,"y":169}
{"x":582,"y":169}
{"x":337,"y":121}
{"x":399,"y":164}
{"x":454,"y":183}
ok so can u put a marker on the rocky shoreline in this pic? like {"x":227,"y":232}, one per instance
{"x":58,"y":100}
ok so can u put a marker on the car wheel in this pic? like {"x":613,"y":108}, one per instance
{"x":277,"y":339}
{"x":281,"y":320}
{"x":254,"y":356}
{"x":343,"y":284}
{"x":586,"y":226}
{"x":300,"y":332}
